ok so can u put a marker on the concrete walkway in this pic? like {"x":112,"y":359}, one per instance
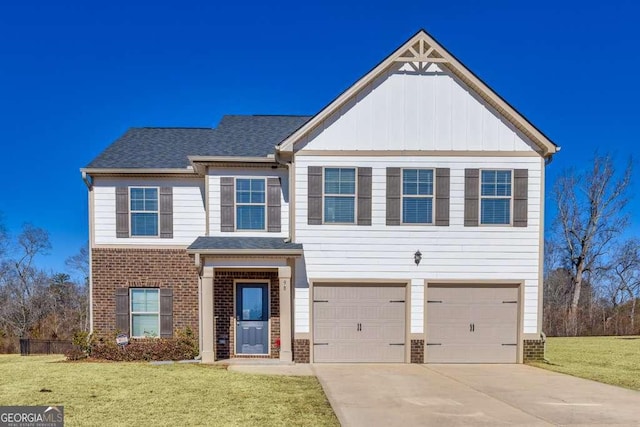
{"x":464,"y":395}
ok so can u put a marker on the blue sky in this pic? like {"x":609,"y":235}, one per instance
{"x":76,"y":75}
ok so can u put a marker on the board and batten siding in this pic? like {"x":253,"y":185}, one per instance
{"x":188,"y":210}
{"x":214,"y":176}
{"x":405,"y":110}
{"x":454,"y":252}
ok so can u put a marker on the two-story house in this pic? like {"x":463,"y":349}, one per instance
{"x":401,"y":223}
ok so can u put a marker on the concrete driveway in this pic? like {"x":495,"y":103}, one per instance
{"x":464,"y":395}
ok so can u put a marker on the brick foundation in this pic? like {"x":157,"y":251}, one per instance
{"x":533,"y":351}
{"x":140,"y":268}
{"x":301,"y":351}
{"x":417,"y":351}
{"x":224,"y":310}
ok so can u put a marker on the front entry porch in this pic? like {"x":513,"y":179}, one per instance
{"x":245,"y":293}
{"x":246,"y":313}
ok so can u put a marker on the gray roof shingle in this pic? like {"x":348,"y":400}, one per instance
{"x":154,"y":148}
{"x":252,"y":136}
{"x":249,"y":243}
{"x":237,"y":136}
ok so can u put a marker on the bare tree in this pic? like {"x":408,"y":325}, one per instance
{"x":590,"y":215}
{"x":4,"y":237}
{"x":22,"y":285}
{"x":625,"y":280}
{"x":80,"y":264}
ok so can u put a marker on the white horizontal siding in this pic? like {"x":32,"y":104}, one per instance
{"x":417,"y":111}
{"x":456,"y":252}
{"x":214,"y":176}
{"x":301,"y":309}
{"x":188,"y":210}
{"x":417,"y":306}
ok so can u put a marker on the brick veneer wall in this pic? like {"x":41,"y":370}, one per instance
{"x":301,"y":351}
{"x":417,"y":351}
{"x":224,"y":310}
{"x":140,"y":268}
{"x":533,"y":351}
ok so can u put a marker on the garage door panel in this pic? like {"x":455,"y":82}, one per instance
{"x":357,"y":352}
{"x":383,"y":332}
{"x":484,"y":353}
{"x":472,"y":324}
{"x":449,"y":313}
{"x":383,"y":310}
{"x":336,"y":331}
{"x":448,"y":333}
{"x":357,"y":323}
{"x":491,"y":295}
{"x":493,"y":313}
{"x":443,"y":295}
{"x":502,"y":334}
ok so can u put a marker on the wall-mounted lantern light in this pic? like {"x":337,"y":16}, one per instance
{"x":417,"y":257}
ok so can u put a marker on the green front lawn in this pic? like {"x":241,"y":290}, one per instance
{"x":611,"y":360}
{"x":177,"y":394}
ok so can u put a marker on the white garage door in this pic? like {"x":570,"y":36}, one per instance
{"x":358,"y":323}
{"x":472,"y":324}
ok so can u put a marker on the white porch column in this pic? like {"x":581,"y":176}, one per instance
{"x":284,"y":276}
{"x":207,"y":316}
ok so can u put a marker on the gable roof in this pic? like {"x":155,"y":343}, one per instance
{"x":252,"y":136}
{"x":154,"y":148}
{"x":423,"y":49}
{"x":169,"y":148}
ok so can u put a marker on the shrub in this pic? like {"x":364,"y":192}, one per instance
{"x":83,"y":341}
{"x":184,"y":346}
{"x":82,"y":344}
{"x":75,"y":354}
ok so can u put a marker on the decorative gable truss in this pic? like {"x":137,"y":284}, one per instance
{"x":423,"y":53}
{"x":420,"y":56}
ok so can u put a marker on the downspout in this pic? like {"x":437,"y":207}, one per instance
{"x":291,"y":191}
{"x":290,"y":261}
{"x":88,"y":182}
{"x":198,"y":262}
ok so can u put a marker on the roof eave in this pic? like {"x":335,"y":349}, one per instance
{"x":256,"y":252}
{"x":232,"y":159}
{"x":200,"y":163}
{"x":137,"y":171}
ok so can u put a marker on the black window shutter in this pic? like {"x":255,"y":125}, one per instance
{"x":166,"y":313}
{"x":122,"y":310}
{"x":122,"y":212}
{"x":227,"y":199}
{"x":364,"y":196}
{"x":273,"y":205}
{"x":166,"y":212}
{"x":393,"y":196}
{"x":314,"y":195}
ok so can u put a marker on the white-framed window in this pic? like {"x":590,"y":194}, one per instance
{"x":143,"y":209}
{"x":496,"y":197}
{"x":145,"y":312}
{"x":250,"y":204}
{"x":417,"y":196}
{"x":339,"y":195}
